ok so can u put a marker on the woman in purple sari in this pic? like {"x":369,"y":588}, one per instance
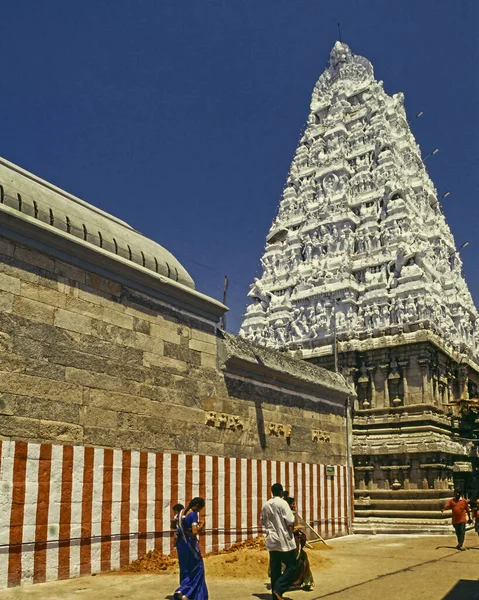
{"x":192,"y":569}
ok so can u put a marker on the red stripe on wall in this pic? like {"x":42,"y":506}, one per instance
{"x":249,"y":501}
{"x":188,"y":478}
{"x":259,"y":489}
{"x":227,"y":519}
{"x":202,"y":487}
{"x":142,"y":503}
{"x":17,"y":514}
{"x":296,"y":484}
{"x":65,"y":513}
{"x":334,"y":523}
{"x":304,"y":498}
{"x":327,"y":514}
{"x":125,"y":508}
{"x":287,"y":481}
{"x":239,"y":500}
{"x":41,"y":528}
{"x":86,"y":512}
{"x":159,"y":502}
{"x":215,"y":524}
{"x":269,"y":477}
{"x":174,"y":494}
{"x":311,"y":495}
{"x":106,"y":506}
{"x":334,"y":516}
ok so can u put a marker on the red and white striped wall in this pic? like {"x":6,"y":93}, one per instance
{"x":67,"y":511}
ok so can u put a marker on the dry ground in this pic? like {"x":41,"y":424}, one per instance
{"x":356,"y":568}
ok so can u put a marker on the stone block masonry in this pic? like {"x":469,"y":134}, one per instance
{"x":102,"y":364}
{"x":74,"y":510}
{"x":119,"y":396}
{"x":115,"y":405}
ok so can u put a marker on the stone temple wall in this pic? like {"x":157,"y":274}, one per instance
{"x":116,"y":403}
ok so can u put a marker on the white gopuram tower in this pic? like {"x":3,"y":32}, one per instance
{"x":361,"y":272}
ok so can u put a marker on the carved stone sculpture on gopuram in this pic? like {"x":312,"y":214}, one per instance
{"x":360,"y":262}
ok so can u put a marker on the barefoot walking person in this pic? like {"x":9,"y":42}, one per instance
{"x":459,"y":507}
{"x":303,"y":576}
{"x":278,"y":521}
{"x":192,"y":581}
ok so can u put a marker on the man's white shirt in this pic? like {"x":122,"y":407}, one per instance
{"x":276,"y":516}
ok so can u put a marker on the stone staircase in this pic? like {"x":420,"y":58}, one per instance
{"x":401,"y":511}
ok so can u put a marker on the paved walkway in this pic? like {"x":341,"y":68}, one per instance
{"x":362,"y":567}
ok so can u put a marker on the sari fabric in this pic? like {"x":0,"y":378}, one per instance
{"x":304,"y":577}
{"x":192,"y":569}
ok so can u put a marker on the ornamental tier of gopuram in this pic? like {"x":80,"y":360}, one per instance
{"x":361,"y":272}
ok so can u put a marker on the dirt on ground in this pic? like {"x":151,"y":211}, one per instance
{"x":242,"y":560}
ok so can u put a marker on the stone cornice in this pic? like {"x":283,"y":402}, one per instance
{"x":27,"y":230}
{"x":240,"y":356}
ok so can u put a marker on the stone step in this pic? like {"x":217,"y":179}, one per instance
{"x":434,"y":504}
{"x":403,"y":494}
{"x":398,"y":525}
{"x":401,"y":514}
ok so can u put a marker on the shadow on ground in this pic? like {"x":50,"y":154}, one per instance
{"x":464,"y":588}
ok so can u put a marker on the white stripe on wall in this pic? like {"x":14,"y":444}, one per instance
{"x":244,"y":498}
{"x":221,"y":500}
{"x":232,"y":506}
{"x":116,"y":508}
{"x":181,"y":481}
{"x":166,"y":503}
{"x":292,"y":489}
{"x":239,"y":494}
{"x":150,"y":501}
{"x":307,"y":511}
{"x":54,"y":512}
{"x":134,"y":504}
{"x":264,"y":482}
{"x":322,"y":514}
{"x":77,"y":496}
{"x":96,"y":512}
{"x":6,"y":483}
{"x":254,"y":494}
{"x":299,"y":496}
{"x":209,"y":500}
{"x":30,"y":512}
{"x":282,"y":473}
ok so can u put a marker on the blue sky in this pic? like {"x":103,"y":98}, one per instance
{"x":182,"y":117}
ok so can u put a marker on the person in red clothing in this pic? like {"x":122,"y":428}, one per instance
{"x":459,"y":507}
{"x":475,"y":514}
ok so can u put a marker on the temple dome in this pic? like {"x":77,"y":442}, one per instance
{"x":55,"y":208}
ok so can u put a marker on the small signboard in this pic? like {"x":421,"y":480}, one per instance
{"x":330,"y":470}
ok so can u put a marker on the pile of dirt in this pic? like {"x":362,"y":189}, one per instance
{"x":256,"y":543}
{"x":253,"y":563}
{"x":242,"y":560}
{"x":152,"y":562}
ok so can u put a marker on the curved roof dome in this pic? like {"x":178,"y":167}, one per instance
{"x":37,"y":198}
